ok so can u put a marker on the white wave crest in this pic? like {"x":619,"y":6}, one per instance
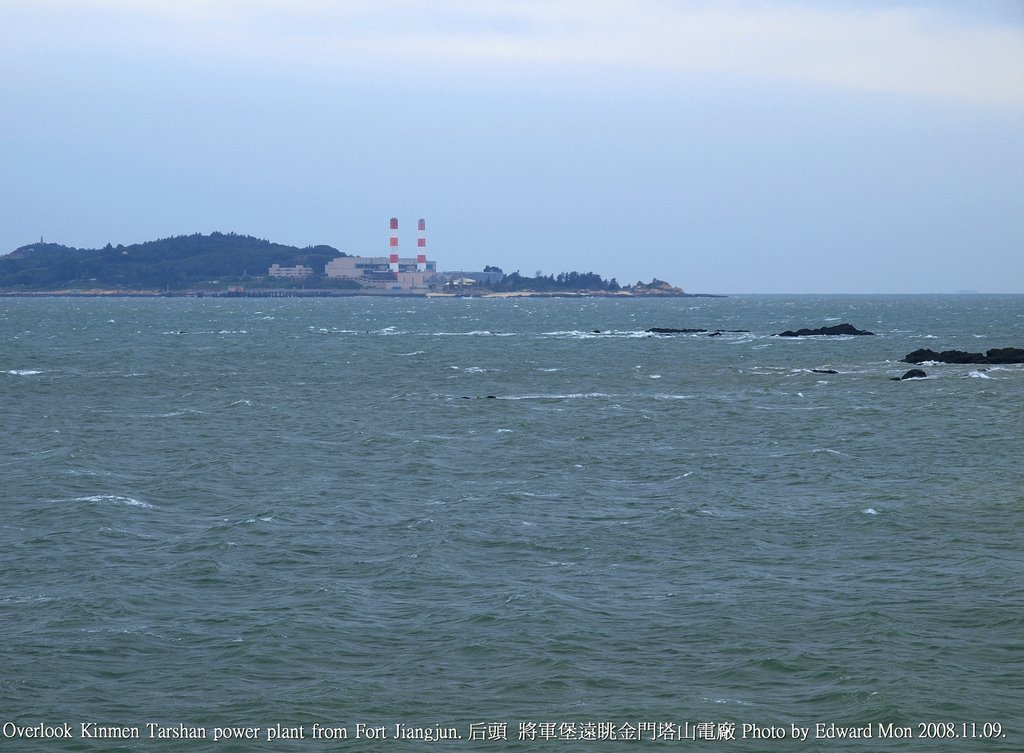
{"x":569,"y":396}
{"x":116,"y":499}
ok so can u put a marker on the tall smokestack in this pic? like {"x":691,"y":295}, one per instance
{"x":421,"y":246}
{"x":393,"y":245}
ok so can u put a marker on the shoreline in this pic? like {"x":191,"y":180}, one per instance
{"x":325,"y":293}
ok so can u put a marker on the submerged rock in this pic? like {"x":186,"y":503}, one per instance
{"x":993,"y":356}
{"x":912,"y":374}
{"x":839,"y":329}
{"x":674,"y":331}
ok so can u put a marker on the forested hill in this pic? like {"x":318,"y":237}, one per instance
{"x":183,"y":261}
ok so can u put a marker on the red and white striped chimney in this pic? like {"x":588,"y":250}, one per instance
{"x":421,"y":245}
{"x":393,"y":246}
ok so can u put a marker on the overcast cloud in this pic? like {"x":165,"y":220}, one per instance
{"x":724,"y":146}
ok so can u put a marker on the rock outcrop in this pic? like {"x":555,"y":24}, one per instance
{"x":656,"y":287}
{"x":912,"y":374}
{"x":839,"y":329}
{"x":993,"y":356}
{"x":674,"y":331}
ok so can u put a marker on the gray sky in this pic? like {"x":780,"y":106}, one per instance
{"x":832,"y":146}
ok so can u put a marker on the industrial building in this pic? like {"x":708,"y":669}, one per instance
{"x":474,"y":278}
{"x":384,"y":271}
{"x":392,"y":271}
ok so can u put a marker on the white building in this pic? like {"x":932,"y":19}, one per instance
{"x":295,"y":273}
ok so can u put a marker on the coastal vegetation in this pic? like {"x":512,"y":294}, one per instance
{"x":575,"y":282}
{"x":176,"y":263}
{"x":563,"y":281}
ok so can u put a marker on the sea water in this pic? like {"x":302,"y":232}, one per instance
{"x":372,"y":524}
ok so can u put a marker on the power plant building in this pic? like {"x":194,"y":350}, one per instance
{"x":390,"y":271}
{"x":384,"y":271}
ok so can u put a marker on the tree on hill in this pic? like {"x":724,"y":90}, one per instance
{"x":168,"y":263}
{"x":564,"y":281}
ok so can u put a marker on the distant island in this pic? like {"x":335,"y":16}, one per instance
{"x":240,"y":265}
{"x":204,"y":262}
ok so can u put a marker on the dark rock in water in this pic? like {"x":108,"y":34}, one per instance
{"x":596,"y":332}
{"x":824,"y":371}
{"x":1005,"y":355}
{"x":946,"y":356}
{"x":674,"y":331}
{"x":912,"y":374}
{"x":995,"y":355}
{"x":492,"y":397}
{"x":839,"y":329}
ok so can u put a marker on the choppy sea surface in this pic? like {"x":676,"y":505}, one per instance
{"x":525,"y":522}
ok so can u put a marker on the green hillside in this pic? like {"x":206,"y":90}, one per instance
{"x":184,"y":261}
